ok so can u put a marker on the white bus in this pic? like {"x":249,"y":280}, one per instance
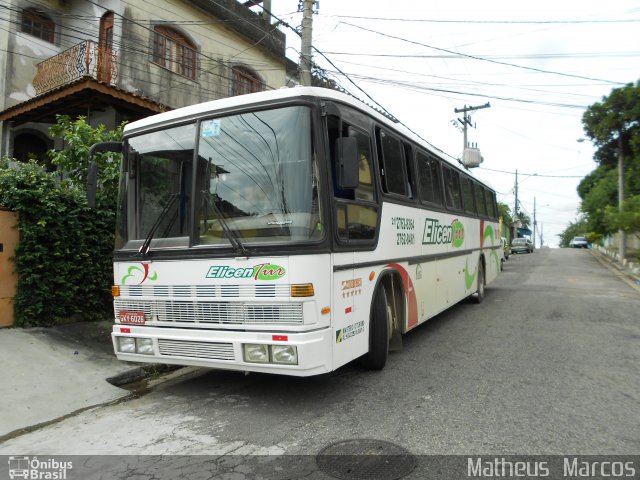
{"x":290,"y":232}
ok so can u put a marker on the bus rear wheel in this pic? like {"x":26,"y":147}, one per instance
{"x":379,"y":322}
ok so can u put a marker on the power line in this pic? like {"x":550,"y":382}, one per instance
{"x":416,"y":87}
{"x":533,"y":56}
{"x":473,"y":57}
{"x":531,"y":174}
{"x":487,"y":22}
{"x":322,"y":54}
{"x":404,"y":73}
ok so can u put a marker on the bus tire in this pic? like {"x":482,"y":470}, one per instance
{"x":376,"y":358}
{"x":479,"y":295}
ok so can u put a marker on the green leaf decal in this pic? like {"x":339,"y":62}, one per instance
{"x":468,"y":277}
{"x":130,"y":274}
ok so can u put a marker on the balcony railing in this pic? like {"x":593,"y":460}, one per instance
{"x":81,"y":60}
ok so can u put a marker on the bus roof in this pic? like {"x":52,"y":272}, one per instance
{"x":284,"y":93}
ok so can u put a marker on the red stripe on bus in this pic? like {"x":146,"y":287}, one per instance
{"x":410,"y":292}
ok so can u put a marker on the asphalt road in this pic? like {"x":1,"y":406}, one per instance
{"x":548,"y":364}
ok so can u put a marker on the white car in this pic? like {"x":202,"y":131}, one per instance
{"x":579,"y":242}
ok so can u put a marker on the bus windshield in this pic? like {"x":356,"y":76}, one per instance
{"x":242,"y":179}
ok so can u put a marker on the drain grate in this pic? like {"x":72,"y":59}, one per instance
{"x":365,"y":459}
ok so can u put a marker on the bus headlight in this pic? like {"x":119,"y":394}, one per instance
{"x":287,"y":354}
{"x":144,"y":346}
{"x":126,"y":345}
{"x":256,"y":353}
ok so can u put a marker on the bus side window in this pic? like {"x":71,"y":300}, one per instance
{"x":452,"y":188}
{"x":356,"y":209}
{"x":408,"y":158}
{"x":341,"y":220}
{"x":365,"y":190}
{"x":467,"y":196}
{"x":429,"y":178}
{"x":491,"y":204}
{"x":482,"y":209}
{"x":334,"y":131}
{"x":392,"y":168}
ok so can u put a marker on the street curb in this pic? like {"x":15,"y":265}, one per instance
{"x":141,"y":373}
{"x":626,"y":276}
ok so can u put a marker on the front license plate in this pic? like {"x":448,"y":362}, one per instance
{"x":132,"y":317}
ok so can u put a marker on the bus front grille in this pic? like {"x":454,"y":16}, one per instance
{"x":211,"y":292}
{"x":188,"y":348}
{"x":212,"y":313}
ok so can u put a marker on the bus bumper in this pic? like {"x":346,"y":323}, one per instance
{"x":224,"y":349}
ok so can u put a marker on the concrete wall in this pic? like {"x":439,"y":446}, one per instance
{"x":632,"y":242}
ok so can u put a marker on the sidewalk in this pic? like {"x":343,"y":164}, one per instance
{"x":48,"y":373}
{"x":629,"y":271}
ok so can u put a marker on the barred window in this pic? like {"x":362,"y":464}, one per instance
{"x":38,"y":25}
{"x":245,"y":81}
{"x":173,"y":51}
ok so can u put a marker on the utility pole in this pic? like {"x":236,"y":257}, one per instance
{"x":623,"y":239}
{"x":535,"y":223}
{"x":466,"y":119}
{"x":267,"y":10}
{"x":305,"y":51}
{"x":515,"y":210}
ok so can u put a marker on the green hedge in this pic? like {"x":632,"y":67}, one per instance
{"x":64,"y":257}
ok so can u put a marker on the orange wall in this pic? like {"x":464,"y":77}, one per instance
{"x":9,"y":239}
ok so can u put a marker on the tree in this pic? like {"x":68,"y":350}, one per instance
{"x":525,"y":220}
{"x":504,"y":212}
{"x":73,"y":160}
{"x":616,"y":118}
{"x":613,"y":124}
{"x":628,"y":218}
{"x":598,"y":190}
{"x":65,"y":247}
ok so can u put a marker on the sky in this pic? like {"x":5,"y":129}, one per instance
{"x":539,"y":65}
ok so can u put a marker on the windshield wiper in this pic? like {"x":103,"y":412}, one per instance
{"x":233,"y":239}
{"x":144,"y":249}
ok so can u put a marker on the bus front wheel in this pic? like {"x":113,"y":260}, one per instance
{"x":379,"y":322}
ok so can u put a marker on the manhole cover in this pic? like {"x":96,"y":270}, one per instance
{"x":365,"y":459}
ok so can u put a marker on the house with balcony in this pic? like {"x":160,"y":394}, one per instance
{"x":117,"y":60}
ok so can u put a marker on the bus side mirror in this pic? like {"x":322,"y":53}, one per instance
{"x":347,"y":174}
{"x":92,"y":173}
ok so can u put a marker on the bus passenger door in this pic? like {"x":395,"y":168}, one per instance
{"x":356,"y":212}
